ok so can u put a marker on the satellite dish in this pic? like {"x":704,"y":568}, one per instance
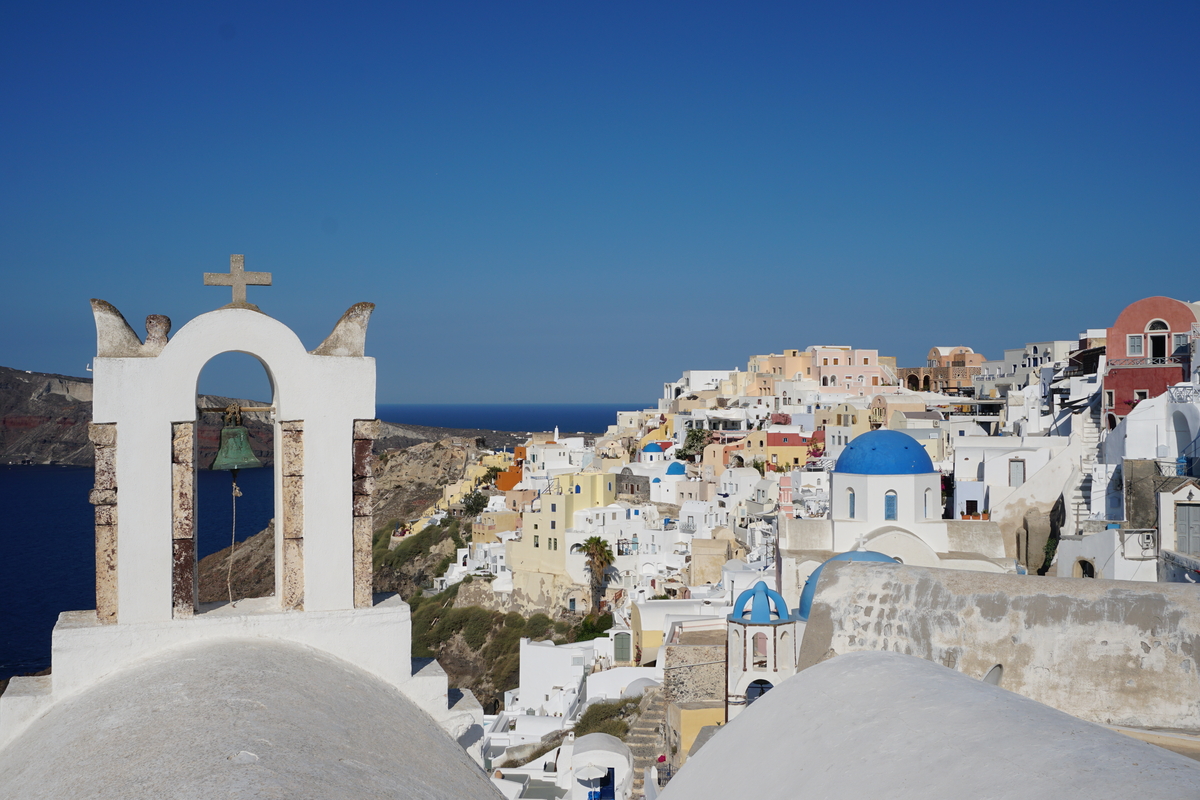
{"x":590,"y":772}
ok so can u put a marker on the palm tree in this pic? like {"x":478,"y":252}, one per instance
{"x":599,"y":558}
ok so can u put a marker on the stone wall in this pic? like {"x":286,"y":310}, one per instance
{"x":694,"y":673}
{"x":104,"y":497}
{"x":533,"y":592}
{"x":1112,"y":652}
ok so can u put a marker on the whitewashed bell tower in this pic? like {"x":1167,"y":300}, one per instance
{"x":144,"y":431}
{"x":761,"y":647}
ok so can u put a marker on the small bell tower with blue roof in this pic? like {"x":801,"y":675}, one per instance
{"x":761,"y":648}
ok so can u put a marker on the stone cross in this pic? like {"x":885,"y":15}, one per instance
{"x":239,"y":279}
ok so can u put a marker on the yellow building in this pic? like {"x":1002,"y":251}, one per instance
{"x":684,"y":721}
{"x":542,"y":546}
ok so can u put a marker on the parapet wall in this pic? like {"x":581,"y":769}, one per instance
{"x":1113,"y":652}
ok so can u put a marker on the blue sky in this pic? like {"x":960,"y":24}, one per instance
{"x":555,"y":202}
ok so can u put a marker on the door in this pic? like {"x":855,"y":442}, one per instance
{"x":1158,"y":345}
{"x":621,"y":647}
{"x":1187,"y":528}
{"x":1016,"y":473}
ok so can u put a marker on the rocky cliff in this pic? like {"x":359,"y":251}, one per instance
{"x":44,"y":419}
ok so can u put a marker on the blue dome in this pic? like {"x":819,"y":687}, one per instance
{"x":677,"y":468}
{"x":653,"y":447}
{"x":766,"y":606}
{"x":884,"y":452}
{"x":810,"y":585}
{"x":657,"y":480}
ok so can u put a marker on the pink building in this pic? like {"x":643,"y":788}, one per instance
{"x":845,"y":369}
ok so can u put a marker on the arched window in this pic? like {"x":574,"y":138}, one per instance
{"x":928,"y":502}
{"x":824,"y":381}
{"x":578,"y":488}
{"x":757,"y":689}
{"x":1158,"y":325}
{"x":850,"y":503}
{"x":760,"y":650}
{"x":785,"y":652}
{"x":889,"y":505}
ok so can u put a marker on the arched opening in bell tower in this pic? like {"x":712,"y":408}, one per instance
{"x":248,"y":570}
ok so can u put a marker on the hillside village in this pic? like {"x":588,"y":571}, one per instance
{"x":702,"y":525}
{"x":825,"y":575}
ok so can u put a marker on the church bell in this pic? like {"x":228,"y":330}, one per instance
{"x":235,"y":452}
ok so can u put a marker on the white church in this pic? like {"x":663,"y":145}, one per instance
{"x":886,"y":496}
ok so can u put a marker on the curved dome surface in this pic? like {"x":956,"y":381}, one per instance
{"x":760,"y":605}
{"x":884,"y":452}
{"x":810,"y":585}
{"x":240,"y":718}
{"x":653,"y":447}
{"x":677,"y":468}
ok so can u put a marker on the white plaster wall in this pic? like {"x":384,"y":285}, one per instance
{"x":143,"y":396}
{"x":611,"y":683}
{"x":1104,"y":550}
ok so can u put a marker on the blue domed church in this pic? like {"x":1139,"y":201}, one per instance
{"x":885,"y":495}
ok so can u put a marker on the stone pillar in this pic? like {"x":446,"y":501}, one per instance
{"x":365,"y":431}
{"x":184,"y":590}
{"x":291,"y":460}
{"x":104,"y":497}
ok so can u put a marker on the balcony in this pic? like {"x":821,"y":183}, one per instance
{"x":1164,"y":361}
{"x":1183,"y":394}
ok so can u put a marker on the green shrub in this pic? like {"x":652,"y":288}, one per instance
{"x":607,"y":717}
{"x":476,"y":627}
{"x":506,"y":672}
{"x":514,"y":620}
{"x":537,"y":625}
{"x":593,"y":627}
{"x":562,"y":628}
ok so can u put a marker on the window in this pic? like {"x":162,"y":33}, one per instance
{"x":825,"y":362}
{"x":866,"y":362}
{"x":835,"y":361}
{"x":889,"y":506}
{"x":850,"y":502}
{"x":554,"y":506}
{"x":535,"y":540}
{"x":1141,"y":394}
{"x":610,"y":486}
{"x":1133,"y":346}
{"x":874,"y":380}
{"x":1179,"y":341}
{"x":1108,"y":398}
{"x":928,"y":502}
{"x":578,"y":488}
{"x":1158,"y":325}
{"x":760,"y":650}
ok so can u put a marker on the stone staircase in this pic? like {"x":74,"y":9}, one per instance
{"x":645,"y":737}
{"x":1080,"y":503}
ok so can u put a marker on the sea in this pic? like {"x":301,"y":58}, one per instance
{"x":48,"y":564}
{"x":522,"y":418}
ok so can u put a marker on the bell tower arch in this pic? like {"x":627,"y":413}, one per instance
{"x":322,"y":415}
